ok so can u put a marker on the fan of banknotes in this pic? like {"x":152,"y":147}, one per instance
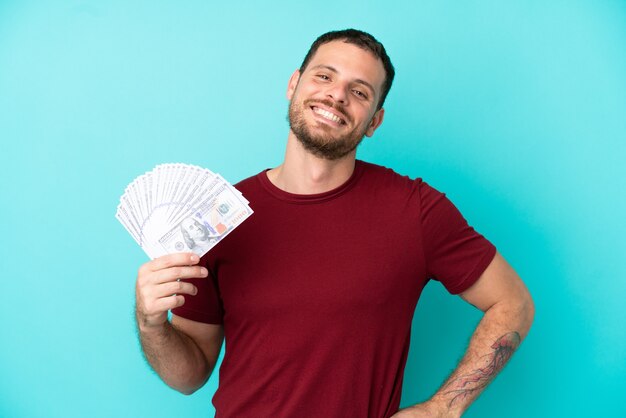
{"x":180,"y":208}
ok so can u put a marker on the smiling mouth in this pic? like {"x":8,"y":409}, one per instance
{"x":328,"y":115}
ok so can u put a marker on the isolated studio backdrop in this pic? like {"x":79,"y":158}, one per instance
{"x":517,"y":110}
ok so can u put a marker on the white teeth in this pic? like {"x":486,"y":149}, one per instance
{"x":327,"y":114}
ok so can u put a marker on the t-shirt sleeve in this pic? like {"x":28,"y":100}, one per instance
{"x":206,"y":305}
{"x":456,"y":255}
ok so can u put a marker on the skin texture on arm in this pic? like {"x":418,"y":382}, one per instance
{"x":184,"y":352}
{"x":509,"y":312}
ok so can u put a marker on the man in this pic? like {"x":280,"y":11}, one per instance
{"x":315,"y":313}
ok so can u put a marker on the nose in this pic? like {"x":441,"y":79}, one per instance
{"x":338,"y":92}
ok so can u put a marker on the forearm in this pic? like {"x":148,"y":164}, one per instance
{"x":494,"y":341}
{"x":175,"y":357}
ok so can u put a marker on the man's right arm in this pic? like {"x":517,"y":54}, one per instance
{"x":184,"y":352}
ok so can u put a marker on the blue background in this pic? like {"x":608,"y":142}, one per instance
{"x":517,"y":110}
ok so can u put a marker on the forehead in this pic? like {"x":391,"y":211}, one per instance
{"x":350,"y":61}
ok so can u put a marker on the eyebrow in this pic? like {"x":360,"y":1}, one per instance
{"x":358,"y":80}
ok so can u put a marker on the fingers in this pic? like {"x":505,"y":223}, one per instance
{"x":170,"y":302}
{"x":175,"y":273}
{"x":159,"y":288}
{"x":158,"y":306}
{"x":166,"y":282}
{"x":152,"y":312}
{"x":169,"y":268}
{"x":170,"y":260}
{"x":168,"y":289}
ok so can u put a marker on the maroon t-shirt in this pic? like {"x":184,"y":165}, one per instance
{"x":317,"y":293}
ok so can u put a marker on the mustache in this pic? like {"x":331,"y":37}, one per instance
{"x":332,"y":105}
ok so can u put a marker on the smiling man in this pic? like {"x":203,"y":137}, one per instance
{"x":339,"y":127}
{"x":315,"y":294}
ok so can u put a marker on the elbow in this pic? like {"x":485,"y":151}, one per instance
{"x":531,"y":311}
{"x":187,"y":391}
{"x":526,"y":313}
{"x":518,"y":312}
{"x":190,"y":386}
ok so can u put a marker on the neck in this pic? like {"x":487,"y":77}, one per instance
{"x":304,"y":173}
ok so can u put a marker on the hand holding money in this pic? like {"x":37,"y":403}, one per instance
{"x":159,"y":290}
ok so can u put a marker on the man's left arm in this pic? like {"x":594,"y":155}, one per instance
{"x":509,"y":312}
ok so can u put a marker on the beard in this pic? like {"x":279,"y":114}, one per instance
{"x":323,"y":144}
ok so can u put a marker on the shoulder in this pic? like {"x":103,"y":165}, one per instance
{"x":250,"y":184}
{"x":385,"y":184}
{"x":377,"y":172}
{"x":387,"y":179}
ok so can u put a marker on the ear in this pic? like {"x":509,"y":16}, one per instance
{"x":375,"y":122}
{"x":293,"y":83}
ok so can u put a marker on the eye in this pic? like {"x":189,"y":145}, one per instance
{"x":323,"y":77}
{"x":360,"y":94}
